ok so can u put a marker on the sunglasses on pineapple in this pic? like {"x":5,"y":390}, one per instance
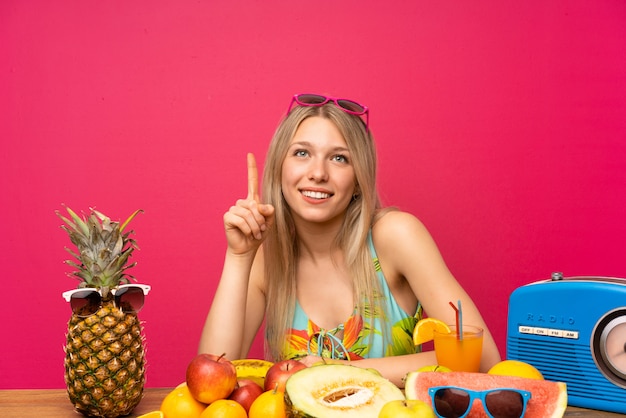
{"x":348,"y":106}
{"x":86,"y":301}
{"x":455,"y":402}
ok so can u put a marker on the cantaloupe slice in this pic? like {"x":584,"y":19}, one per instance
{"x":548,"y":399}
{"x":338,"y":391}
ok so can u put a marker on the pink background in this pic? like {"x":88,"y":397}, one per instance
{"x":501,"y":124}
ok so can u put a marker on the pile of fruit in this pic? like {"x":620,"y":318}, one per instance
{"x":218,"y":388}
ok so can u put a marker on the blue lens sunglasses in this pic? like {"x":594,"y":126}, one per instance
{"x":456,"y":402}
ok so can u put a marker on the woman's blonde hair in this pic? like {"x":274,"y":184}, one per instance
{"x":280,"y":249}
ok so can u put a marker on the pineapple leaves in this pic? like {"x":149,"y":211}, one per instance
{"x":102,"y":259}
{"x":79,"y":222}
{"x":130,"y":218}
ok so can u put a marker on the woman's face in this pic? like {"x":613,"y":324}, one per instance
{"x":317,"y":174}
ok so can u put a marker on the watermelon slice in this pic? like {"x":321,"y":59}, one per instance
{"x":549,"y":399}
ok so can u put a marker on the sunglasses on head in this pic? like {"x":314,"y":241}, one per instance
{"x":455,"y":402}
{"x":86,"y":301}
{"x":348,"y":106}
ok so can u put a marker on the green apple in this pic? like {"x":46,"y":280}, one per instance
{"x":406,"y":409}
{"x":434,"y":368}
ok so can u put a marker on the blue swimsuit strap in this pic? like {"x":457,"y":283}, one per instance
{"x":336,"y":346}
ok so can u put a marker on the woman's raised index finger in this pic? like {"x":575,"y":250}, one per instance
{"x":253,"y":178}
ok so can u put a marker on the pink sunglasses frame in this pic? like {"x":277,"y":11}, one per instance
{"x":298,"y":99}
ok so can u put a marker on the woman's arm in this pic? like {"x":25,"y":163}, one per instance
{"x":238,"y":307}
{"x":393,"y":368}
{"x":408,"y":255}
{"x":236,"y":312}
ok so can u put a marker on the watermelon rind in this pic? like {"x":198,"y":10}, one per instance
{"x":548,"y":398}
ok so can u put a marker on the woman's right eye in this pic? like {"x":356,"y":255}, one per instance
{"x":300,"y":153}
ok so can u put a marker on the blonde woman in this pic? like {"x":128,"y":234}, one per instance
{"x":333,"y":273}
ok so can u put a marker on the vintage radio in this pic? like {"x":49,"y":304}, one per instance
{"x":574,"y":331}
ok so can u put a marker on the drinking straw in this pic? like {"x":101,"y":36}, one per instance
{"x":459,"y":312}
{"x":459,"y":335}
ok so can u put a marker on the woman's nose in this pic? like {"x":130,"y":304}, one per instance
{"x":318,"y":171}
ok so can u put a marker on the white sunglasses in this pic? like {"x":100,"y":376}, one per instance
{"x":86,"y":301}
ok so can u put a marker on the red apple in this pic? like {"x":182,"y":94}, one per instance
{"x":246,"y":391}
{"x":210,"y":377}
{"x":277,"y":375}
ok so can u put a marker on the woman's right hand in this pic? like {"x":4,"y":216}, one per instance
{"x":248,"y":222}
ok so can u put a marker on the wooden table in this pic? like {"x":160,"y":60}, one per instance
{"x":54,"y":403}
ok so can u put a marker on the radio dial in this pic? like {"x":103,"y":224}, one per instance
{"x":609,"y":346}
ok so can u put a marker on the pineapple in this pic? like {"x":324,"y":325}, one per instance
{"x":104,"y":354}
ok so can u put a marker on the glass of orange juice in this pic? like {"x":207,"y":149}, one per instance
{"x":460,"y":354}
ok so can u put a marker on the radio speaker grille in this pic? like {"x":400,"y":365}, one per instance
{"x":569,"y":363}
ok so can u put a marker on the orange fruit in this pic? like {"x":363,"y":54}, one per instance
{"x":269,"y":404}
{"x":516,"y":368}
{"x":179,"y":403}
{"x":425,"y":330}
{"x":153,"y":414}
{"x":224,"y":408}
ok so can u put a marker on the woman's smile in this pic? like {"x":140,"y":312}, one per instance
{"x":315,"y":195}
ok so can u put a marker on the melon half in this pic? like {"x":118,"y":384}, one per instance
{"x":338,"y":391}
{"x":548,"y":399}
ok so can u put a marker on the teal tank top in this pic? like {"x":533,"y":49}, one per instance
{"x":358,"y":337}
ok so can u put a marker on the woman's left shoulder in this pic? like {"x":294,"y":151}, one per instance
{"x":391,"y":223}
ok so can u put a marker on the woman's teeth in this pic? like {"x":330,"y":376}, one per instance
{"x":316,"y":195}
